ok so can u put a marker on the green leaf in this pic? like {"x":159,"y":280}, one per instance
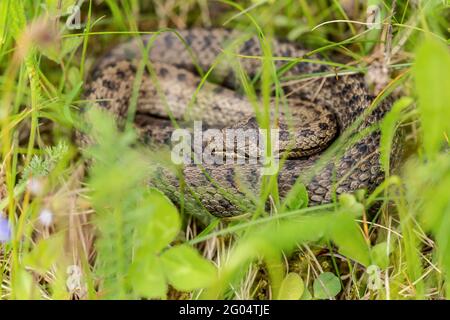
{"x":71,"y":96}
{"x":297,"y":198}
{"x":306,"y":295}
{"x":380,"y":255}
{"x":57,"y":51}
{"x":186,"y":269}
{"x":431,"y":72}
{"x":326,"y":286}
{"x":147,"y":276}
{"x":52,"y":52}
{"x":295,"y":33}
{"x":346,"y":234}
{"x":292,"y":287}
{"x":74,"y":78}
{"x":24,"y":286}
{"x":159,"y":225}
{"x":45,"y":254}
{"x":388,"y":127}
{"x":430,"y":182}
{"x":69,"y":45}
{"x":163,"y":224}
{"x":351,"y":205}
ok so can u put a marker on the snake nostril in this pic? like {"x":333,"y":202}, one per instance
{"x":181,"y":77}
{"x":323,"y":126}
{"x":163,"y":72}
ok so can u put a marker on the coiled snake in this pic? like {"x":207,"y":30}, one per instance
{"x":319,"y":110}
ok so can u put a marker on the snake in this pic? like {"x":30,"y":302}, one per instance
{"x":207,"y":75}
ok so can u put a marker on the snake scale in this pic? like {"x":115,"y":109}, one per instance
{"x":320,"y":108}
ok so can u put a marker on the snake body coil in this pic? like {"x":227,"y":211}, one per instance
{"x":320,"y":109}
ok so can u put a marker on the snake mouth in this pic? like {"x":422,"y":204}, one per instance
{"x":142,"y":116}
{"x":300,"y":153}
{"x":293,"y":151}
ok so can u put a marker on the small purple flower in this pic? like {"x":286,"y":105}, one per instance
{"x":5,"y":229}
{"x":46,"y":217}
{"x":35,"y":186}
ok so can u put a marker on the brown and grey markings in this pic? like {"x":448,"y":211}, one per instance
{"x":313,"y":121}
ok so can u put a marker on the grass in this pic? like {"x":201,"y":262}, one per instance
{"x":67,"y":234}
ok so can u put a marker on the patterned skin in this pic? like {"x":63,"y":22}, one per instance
{"x":319,"y":110}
